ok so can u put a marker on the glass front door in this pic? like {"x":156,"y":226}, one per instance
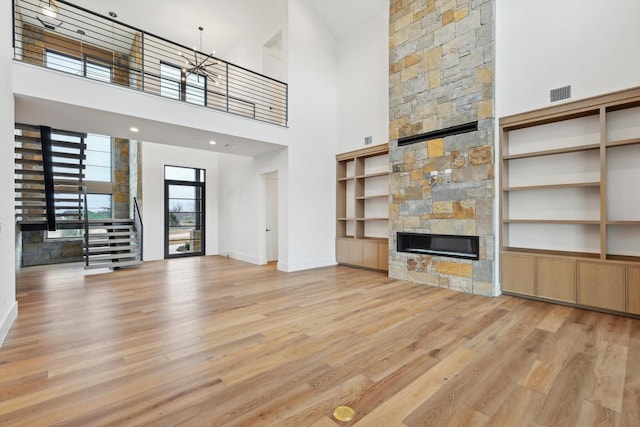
{"x":184,"y":212}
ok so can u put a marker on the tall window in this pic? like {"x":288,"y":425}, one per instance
{"x":98,"y":158}
{"x":176,"y":83}
{"x":170,"y":81}
{"x":98,"y":179}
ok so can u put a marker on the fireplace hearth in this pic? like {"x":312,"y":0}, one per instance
{"x":466,"y":247}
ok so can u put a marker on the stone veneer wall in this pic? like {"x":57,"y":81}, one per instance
{"x":442,"y":74}
{"x":38,"y":250}
{"x":121,"y":202}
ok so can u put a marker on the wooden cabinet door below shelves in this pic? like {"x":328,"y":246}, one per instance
{"x":601,"y":285}
{"x":556,"y":279}
{"x":633,"y":290}
{"x":518,"y":273}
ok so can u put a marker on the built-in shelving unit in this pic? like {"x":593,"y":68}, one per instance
{"x":362,"y":207}
{"x":570,"y":203}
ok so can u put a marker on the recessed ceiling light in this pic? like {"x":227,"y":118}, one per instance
{"x":212,"y":142}
{"x":113,"y":14}
{"x":134,"y":129}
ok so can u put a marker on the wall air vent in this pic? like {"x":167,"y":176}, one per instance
{"x":368,"y":140}
{"x":560,"y":93}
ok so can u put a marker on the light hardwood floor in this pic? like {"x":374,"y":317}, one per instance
{"x":213,"y":341}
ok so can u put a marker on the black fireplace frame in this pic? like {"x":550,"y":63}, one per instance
{"x":432,"y":244}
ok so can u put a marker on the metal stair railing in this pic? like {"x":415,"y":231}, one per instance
{"x":91,"y":45}
{"x":138,"y":227}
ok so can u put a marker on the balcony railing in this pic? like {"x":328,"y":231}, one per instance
{"x":59,"y":35}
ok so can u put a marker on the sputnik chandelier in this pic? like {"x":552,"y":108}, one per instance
{"x":200,"y":67}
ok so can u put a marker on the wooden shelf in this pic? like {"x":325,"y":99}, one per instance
{"x":552,"y":186}
{"x":545,"y":252}
{"x":623,"y":142}
{"x":552,"y":152}
{"x":359,"y":238}
{"x":594,"y":270}
{"x":373,"y":175}
{"x":623,"y":222}
{"x":552,"y":221}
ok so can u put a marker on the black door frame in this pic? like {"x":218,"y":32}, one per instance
{"x":200,"y":206}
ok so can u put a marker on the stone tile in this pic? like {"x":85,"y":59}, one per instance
{"x":443,"y":210}
{"x":464,"y":209}
{"x":483,"y":271}
{"x":412,"y":221}
{"x":432,"y":59}
{"x":460,"y":13}
{"x":447,"y":17}
{"x":396,"y":67}
{"x":423,"y":278}
{"x":409,"y":73}
{"x":443,"y":281}
{"x":453,"y":268}
{"x":461,"y":284}
{"x":485,"y":109}
{"x":486,"y":289}
{"x":435,"y":148}
{"x":398,"y":272}
{"x":484,"y":215}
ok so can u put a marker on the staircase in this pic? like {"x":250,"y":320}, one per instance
{"x":49,"y":177}
{"x":50,"y":194}
{"x":112,"y":243}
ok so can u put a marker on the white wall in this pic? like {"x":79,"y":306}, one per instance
{"x":363,"y":84}
{"x":312,"y":140}
{"x":544,"y":44}
{"x":8,"y":304}
{"x":306,"y":170}
{"x":154,"y":158}
{"x":247,"y":51}
{"x":241,"y":201}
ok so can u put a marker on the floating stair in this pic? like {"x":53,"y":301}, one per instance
{"x":113,"y":243}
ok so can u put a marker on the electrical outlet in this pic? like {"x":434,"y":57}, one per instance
{"x":434,"y":173}
{"x":447,"y":171}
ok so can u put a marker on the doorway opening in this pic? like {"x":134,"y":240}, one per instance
{"x":270,"y":181}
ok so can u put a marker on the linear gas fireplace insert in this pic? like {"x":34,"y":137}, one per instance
{"x":466,"y":247}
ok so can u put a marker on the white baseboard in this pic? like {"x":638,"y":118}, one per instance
{"x":8,"y":320}
{"x":244,"y":257}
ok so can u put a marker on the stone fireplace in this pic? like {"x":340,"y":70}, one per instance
{"x":441,"y":77}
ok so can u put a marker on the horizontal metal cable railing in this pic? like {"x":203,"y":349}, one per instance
{"x":61,"y":36}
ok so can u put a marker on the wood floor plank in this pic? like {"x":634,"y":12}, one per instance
{"x":609,"y":372}
{"x":519,"y":409}
{"x":394,"y":410}
{"x":215,"y":341}
{"x":563,"y":403}
{"x":594,"y":415}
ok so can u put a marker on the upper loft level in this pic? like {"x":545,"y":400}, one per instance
{"x":61,"y":36}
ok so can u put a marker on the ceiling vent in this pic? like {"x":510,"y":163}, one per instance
{"x":560,"y":93}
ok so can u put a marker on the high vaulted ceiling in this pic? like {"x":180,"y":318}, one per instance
{"x":224,"y":20}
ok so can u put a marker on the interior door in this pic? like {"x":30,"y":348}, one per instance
{"x":272,"y":217}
